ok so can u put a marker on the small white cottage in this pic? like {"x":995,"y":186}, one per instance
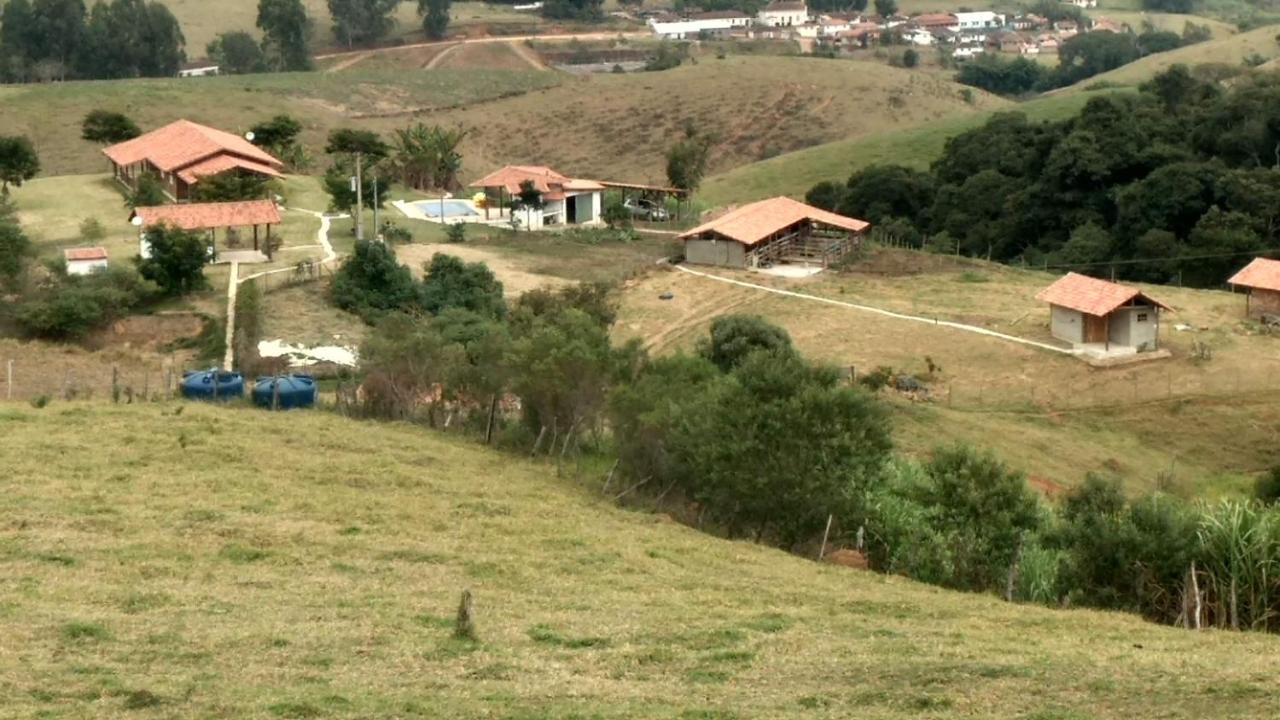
{"x":85,"y":260}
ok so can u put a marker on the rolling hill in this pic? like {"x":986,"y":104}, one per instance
{"x":221,"y":562}
{"x":611,"y":126}
{"x":1230,"y":50}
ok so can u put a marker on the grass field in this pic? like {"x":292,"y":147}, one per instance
{"x":1231,"y":50}
{"x":1211,"y":422}
{"x":794,"y":173}
{"x":51,"y":114}
{"x":202,"y":20}
{"x":224,"y":563}
{"x":1172,"y":22}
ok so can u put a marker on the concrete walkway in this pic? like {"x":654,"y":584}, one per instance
{"x":881,"y":311}
{"x":322,"y":238}
{"x":229,"y":357}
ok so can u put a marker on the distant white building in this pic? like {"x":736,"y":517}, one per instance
{"x":691,"y":27}
{"x":1082,"y":3}
{"x":984,"y":20}
{"x":918,"y":36}
{"x":85,"y":260}
{"x":783,"y":13}
{"x":199,"y":69}
{"x":964,"y":52}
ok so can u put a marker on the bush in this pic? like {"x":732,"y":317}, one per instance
{"x":616,"y":215}
{"x":177,"y":259}
{"x":452,"y":283}
{"x":910,"y":58}
{"x":15,"y":249}
{"x":734,"y":337}
{"x":372,"y":281}
{"x":70,"y":307}
{"x":456,"y":232}
{"x":877,"y":379}
{"x":986,"y":509}
{"x":92,"y":230}
{"x":1267,"y":487}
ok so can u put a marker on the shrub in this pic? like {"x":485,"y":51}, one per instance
{"x":877,"y":379}
{"x":393,"y":233}
{"x":92,"y":230}
{"x":734,"y":337}
{"x":70,"y":307}
{"x":616,"y":215}
{"x":177,"y":259}
{"x":985,"y":507}
{"x":372,"y":281}
{"x":456,"y":232}
{"x":452,"y":283}
{"x":1267,"y":487}
{"x":15,"y":248}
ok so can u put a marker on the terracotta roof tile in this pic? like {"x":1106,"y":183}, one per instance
{"x":85,"y":253}
{"x":511,"y":176}
{"x":750,"y":224}
{"x":1261,"y":274}
{"x":183,"y":143}
{"x":204,"y":216}
{"x":1091,"y":295}
{"x":222,"y":163}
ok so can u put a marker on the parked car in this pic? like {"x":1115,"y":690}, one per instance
{"x":645,"y":209}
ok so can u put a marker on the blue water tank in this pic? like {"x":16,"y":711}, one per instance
{"x":293,"y":391}
{"x":212,"y":385}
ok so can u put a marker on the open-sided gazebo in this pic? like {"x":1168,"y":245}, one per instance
{"x":213,"y":217}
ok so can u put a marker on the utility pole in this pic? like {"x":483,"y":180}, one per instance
{"x":376,"y":227}
{"x":359,"y":197}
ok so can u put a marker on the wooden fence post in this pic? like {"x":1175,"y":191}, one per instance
{"x":8,"y":384}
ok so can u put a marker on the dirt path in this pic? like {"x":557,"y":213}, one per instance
{"x":348,"y":62}
{"x":527,"y":54}
{"x":880,"y":311}
{"x":497,"y":39}
{"x":440,"y":56}
{"x":232,"y":284}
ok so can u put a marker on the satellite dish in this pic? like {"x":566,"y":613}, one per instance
{"x":136,"y":221}
{"x":249,"y":136}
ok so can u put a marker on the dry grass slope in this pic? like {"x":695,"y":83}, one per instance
{"x":1230,"y":50}
{"x":209,"y":564}
{"x":1040,"y":411}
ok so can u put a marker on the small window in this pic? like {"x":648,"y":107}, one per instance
{"x":1142,"y":317}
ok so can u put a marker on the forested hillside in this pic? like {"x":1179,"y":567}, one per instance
{"x":1175,"y":183}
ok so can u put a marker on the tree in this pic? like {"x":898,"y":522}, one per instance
{"x":231,"y":186}
{"x":585,"y":10}
{"x":148,"y":192}
{"x":69,"y":307}
{"x":426,"y":156}
{"x":1156,"y":41}
{"x":372,"y":282}
{"x":132,"y":38}
{"x":910,"y":58}
{"x":452,"y":283}
{"x":687,"y":159}
{"x":361,"y":21}
{"x":827,"y":195}
{"x":15,"y":249}
{"x":177,"y":259}
{"x":886,"y":8}
{"x":19,"y":45}
{"x":528,"y":199}
{"x":1182,"y":7}
{"x":779,"y":446}
{"x":1002,"y":76}
{"x":108,"y":128}
{"x":1222,"y":234}
{"x":734,"y":337}
{"x":986,"y":508}
{"x":616,"y":215}
{"x":878,"y":192}
{"x":406,"y":362}
{"x":287,"y":34}
{"x":1088,"y":245}
{"x":1267,"y":488}
{"x":18,"y":161}
{"x":57,"y":31}
{"x":276,"y":134}
{"x":366,"y":143}
{"x":237,"y":53}
{"x":435,"y":17}
{"x":1088,"y":54}
{"x":342,"y":198}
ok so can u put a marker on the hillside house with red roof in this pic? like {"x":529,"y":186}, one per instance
{"x":1262,"y":280}
{"x":212,"y":217}
{"x":85,"y":260}
{"x":565,"y":200}
{"x":773,"y":231}
{"x":182,"y":152}
{"x":1086,"y":311}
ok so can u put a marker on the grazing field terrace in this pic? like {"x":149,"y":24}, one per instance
{"x":188,"y":561}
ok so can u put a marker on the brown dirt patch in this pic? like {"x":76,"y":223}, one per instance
{"x":147,"y":332}
{"x":516,"y":280}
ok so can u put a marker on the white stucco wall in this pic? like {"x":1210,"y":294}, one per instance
{"x":84,"y":267}
{"x":1135,"y":327}
{"x":1066,"y":324}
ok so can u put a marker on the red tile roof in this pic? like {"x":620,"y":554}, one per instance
{"x":1091,"y":295}
{"x":936,"y":20}
{"x":85,"y":253}
{"x":222,"y":163}
{"x":1261,"y":274}
{"x":511,"y":176}
{"x":750,"y":224}
{"x":544,"y":179}
{"x":183,"y":143}
{"x":204,"y":216}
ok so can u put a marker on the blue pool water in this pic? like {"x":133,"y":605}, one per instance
{"x":452,"y":208}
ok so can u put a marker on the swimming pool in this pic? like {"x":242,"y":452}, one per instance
{"x":451,"y":208}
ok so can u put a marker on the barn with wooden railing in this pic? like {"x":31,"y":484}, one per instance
{"x":771,"y":232}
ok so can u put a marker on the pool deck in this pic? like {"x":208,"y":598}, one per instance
{"x":413,"y":212}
